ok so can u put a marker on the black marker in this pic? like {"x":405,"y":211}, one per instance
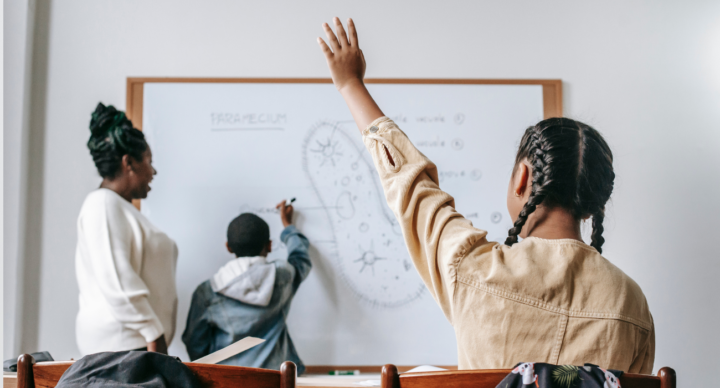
{"x":291,"y":201}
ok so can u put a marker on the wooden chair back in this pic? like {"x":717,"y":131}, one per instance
{"x":490,"y":378}
{"x":47,"y":374}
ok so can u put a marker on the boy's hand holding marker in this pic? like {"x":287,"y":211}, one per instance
{"x":286,"y":212}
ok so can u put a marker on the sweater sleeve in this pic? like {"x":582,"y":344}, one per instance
{"x":437,"y":237}
{"x":114,"y":253}
{"x":298,"y":256}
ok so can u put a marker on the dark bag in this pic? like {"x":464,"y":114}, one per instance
{"x":540,"y":375}
{"x":11,"y":364}
{"x":128,"y":369}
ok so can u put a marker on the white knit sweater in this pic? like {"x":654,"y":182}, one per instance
{"x":125,"y":270}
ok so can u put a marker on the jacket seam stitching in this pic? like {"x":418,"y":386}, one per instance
{"x":545,"y":306}
{"x":564,"y":242}
{"x":562,"y":329}
{"x":455,"y":288}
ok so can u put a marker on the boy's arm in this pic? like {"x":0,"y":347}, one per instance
{"x":197,"y":336}
{"x":298,"y":257}
{"x":297,"y":245}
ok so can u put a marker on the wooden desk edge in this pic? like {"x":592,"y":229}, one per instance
{"x":325,"y":369}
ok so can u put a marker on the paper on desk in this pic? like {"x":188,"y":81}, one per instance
{"x":370,"y":383}
{"x":425,"y":368}
{"x":230,"y":350}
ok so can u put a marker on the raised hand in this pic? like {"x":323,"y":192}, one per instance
{"x":343,"y":55}
{"x":347,"y":67}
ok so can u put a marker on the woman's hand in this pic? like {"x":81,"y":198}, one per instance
{"x":286,"y":213}
{"x":158,"y":346}
{"x":344,"y":57}
{"x":347,"y":67}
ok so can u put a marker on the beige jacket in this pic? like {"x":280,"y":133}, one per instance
{"x":553,"y":301}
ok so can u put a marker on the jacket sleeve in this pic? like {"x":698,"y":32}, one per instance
{"x":645,"y":358}
{"x":198,"y":336}
{"x":298,"y":257}
{"x":114,"y":253}
{"x":437,"y":237}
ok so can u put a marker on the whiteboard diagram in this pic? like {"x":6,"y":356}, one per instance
{"x":368,"y":246}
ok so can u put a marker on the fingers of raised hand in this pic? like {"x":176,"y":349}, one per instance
{"x":353,"y":33}
{"x":324,"y":47}
{"x":341,"y":35}
{"x":280,"y":205}
{"x":334,"y":44}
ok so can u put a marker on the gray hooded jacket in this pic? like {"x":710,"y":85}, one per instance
{"x":250,"y":297}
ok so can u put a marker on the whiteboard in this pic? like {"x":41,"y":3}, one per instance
{"x":221,"y":149}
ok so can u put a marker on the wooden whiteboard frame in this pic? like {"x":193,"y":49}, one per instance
{"x":552,"y":89}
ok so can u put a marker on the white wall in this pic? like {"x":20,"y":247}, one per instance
{"x":17,"y":34}
{"x":645,"y":73}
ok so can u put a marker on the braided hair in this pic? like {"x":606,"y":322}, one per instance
{"x":571,"y":168}
{"x":111,"y":137}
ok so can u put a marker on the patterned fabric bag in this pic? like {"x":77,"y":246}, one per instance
{"x":540,"y":375}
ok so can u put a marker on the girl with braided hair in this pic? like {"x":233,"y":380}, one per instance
{"x":549,"y":298}
{"x":125,"y":266}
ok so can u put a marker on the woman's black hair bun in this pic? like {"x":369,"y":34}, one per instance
{"x":107,"y":118}
{"x":112,"y":135}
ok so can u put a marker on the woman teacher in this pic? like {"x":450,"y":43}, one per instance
{"x":125,"y":266}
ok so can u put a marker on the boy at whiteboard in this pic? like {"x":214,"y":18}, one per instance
{"x":250,"y":296}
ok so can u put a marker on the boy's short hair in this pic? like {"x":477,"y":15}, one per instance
{"x":247,"y":235}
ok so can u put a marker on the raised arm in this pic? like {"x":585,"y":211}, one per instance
{"x":437,"y":237}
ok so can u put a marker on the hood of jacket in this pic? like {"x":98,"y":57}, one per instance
{"x":248,"y":279}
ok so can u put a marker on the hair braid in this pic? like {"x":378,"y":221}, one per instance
{"x":598,"y":229}
{"x":542,"y":178}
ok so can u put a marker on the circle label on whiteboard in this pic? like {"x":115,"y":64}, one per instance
{"x":457,"y":144}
